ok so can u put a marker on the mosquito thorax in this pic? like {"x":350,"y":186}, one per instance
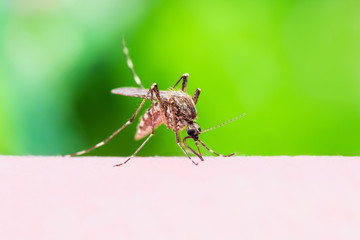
{"x":184,"y":106}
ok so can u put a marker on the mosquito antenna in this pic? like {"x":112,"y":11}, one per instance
{"x":223,"y":123}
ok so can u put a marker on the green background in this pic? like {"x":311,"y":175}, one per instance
{"x":292,"y":66}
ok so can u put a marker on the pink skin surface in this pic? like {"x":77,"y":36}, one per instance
{"x":170,"y":198}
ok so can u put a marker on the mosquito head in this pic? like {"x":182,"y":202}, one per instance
{"x":193,"y":130}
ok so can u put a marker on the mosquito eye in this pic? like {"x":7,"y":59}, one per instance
{"x":190,"y":132}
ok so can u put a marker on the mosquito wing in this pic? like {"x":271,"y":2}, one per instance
{"x":137,"y":92}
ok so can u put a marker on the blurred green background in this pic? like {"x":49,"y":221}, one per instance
{"x":292,"y":66}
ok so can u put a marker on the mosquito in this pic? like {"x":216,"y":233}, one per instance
{"x":175,"y":109}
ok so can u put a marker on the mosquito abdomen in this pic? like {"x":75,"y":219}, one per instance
{"x":145,"y":125}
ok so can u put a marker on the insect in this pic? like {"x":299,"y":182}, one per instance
{"x":175,"y":109}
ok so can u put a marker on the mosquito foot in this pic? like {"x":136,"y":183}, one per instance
{"x":195,"y":163}
{"x":118,"y":165}
{"x":229,"y":155}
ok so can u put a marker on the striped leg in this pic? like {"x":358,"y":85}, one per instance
{"x":215,"y":152}
{"x":152,"y":128}
{"x":175,"y":130}
{"x":184,"y":77}
{"x":178,"y":142}
{"x":120,"y":129}
{"x":162,"y":106}
{"x":197,"y":145}
{"x":130,"y":64}
{"x":196,"y":95}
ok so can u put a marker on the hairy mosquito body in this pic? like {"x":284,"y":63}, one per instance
{"x":175,"y":109}
{"x":184,"y":108}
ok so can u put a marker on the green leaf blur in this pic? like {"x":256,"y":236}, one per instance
{"x":292,"y":66}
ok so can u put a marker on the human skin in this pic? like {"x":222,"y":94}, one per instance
{"x":171,"y":198}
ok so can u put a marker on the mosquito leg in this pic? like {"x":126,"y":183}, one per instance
{"x":162,"y":106}
{"x":184,"y":77}
{"x":182,"y":148}
{"x":166,"y":118}
{"x":199,"y":156}
{"x":147,"y":139}
{"x":117,"y":131}
{"x":174,"y":123}
{"x":196,"y":95}
{"x":130,"y":64}
{"x":215,"y":152}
